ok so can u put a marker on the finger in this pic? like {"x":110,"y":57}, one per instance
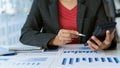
{"x":67,"y":35}
{"x":67,"y":41}
{"x":107,"y":35}
{"x":74,"y":32}
{"x":61,"y":43}
{"x":74,"y":36}
{"x":111,"y":35}
{"x":97,"y":40}
{"x":61,"y":38}
{"x":96,"y":47}
{"x":90,"y":45}
{"x":70,"y":33}
{"x":64,"y":31}
{"x":108,"y":38}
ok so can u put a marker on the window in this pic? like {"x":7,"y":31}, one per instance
{"x":13,"y":15}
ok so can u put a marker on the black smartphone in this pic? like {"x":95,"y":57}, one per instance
{"x":100,"y":31}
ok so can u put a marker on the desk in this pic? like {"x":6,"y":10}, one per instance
{"x":69,"y":56}
{"x":114,"y":52}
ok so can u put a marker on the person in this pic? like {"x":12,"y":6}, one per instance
{"x":54,"y":23}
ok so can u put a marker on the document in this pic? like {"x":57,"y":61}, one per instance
{"x":26,"y":62}
{"x":87,"y":62}
{"x":68,"y":56}
{"x":77,"y":56}
{"x":80,"y":50}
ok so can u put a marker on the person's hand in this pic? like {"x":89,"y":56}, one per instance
{"x":63,"y":37}
{"x":102,"y":45}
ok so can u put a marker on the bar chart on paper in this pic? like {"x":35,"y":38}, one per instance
{"x":82,"y":56}
{"x":66,"y":57}
{"x":88,"y":62}
{"x":80,"y":50}
{"x":26,"y":62}
{"x":71,"y":61}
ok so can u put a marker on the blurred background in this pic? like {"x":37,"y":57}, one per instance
{"x":13,"y":15}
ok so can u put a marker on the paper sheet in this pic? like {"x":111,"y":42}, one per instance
{"x":68,"y":56}
{"x":26,"y":62}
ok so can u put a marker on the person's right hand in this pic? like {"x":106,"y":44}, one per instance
{"x":63,"y":37}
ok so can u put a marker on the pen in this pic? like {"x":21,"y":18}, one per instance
{"x":24,"y":48}
{"x":8,"y":54}
{"x":81,"y":35}
{"x":31,"y":51}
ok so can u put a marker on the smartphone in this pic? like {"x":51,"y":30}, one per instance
{"x":100,"y":31}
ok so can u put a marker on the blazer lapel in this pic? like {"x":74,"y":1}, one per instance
{"x":53,"y":8}
{"x":81,"y":15}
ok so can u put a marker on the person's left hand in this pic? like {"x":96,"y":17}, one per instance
{"x":102,"y":45}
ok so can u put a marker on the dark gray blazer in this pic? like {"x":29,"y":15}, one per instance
{"x":44,"y":15}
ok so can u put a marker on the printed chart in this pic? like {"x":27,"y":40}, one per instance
{"x":72,"y":56}
{"x":80,"y":51}
{"x":88,"y":62}
{"x":26,"y":62}
{"x":83,"y":56}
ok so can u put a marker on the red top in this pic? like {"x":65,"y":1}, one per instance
{"x":67,"y":19}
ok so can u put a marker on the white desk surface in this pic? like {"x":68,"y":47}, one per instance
{"x":114,"y":52}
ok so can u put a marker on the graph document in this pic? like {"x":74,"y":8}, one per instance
{"x":68,"y":56}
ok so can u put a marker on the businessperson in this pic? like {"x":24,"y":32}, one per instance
{"x":54,"y":23}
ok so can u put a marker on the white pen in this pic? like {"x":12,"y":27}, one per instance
{"x":81,"y":35}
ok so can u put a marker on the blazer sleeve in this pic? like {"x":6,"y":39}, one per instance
{"x":103,"y":19}
{"x":31,"y":32}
